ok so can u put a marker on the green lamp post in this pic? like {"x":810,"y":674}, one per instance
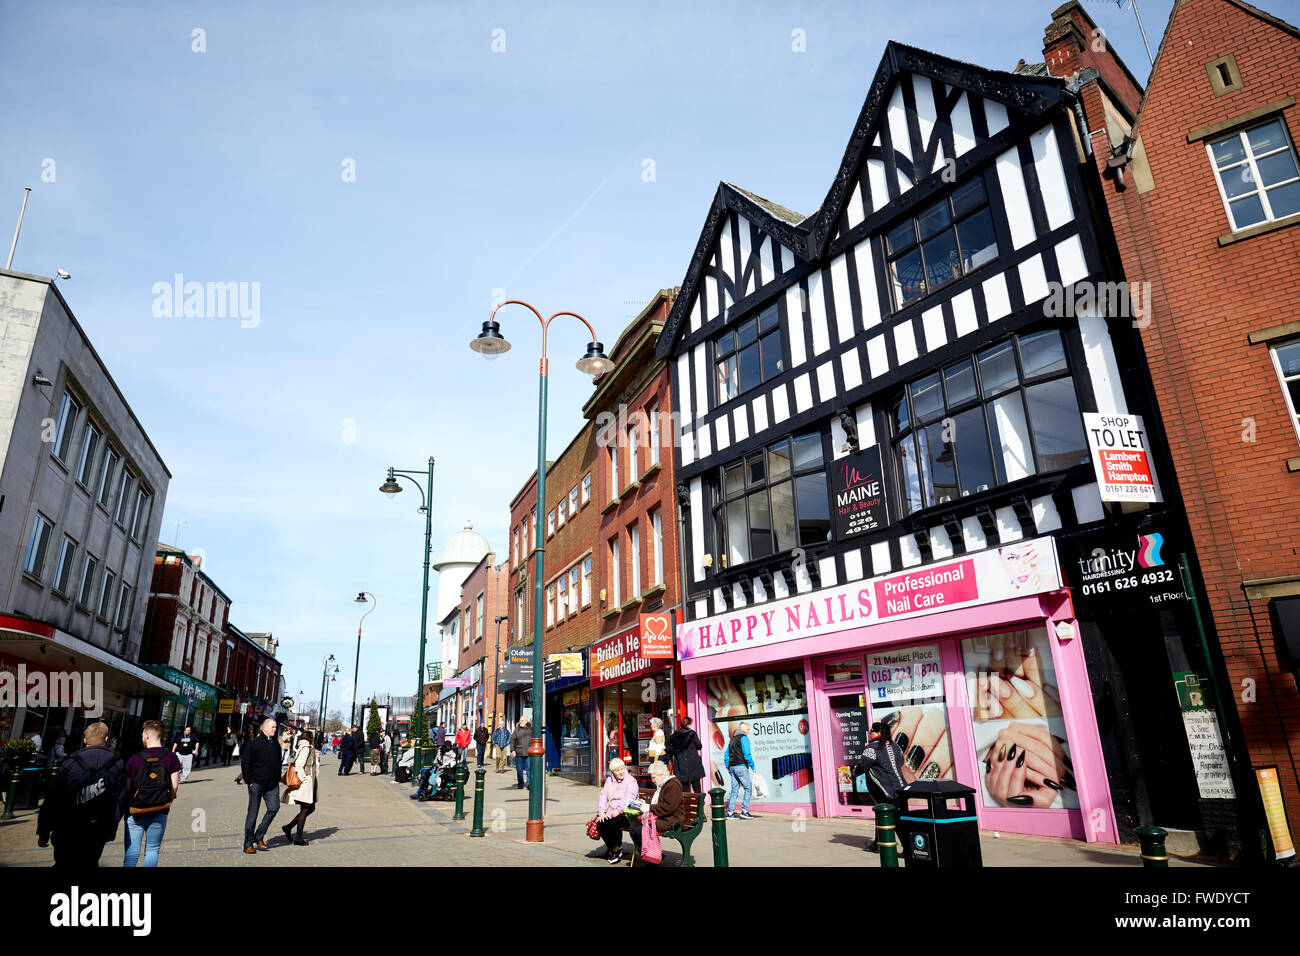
{"x":390,"y":487}
{"x":491,"y":343}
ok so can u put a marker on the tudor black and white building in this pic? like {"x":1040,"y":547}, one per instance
{"x":882,"y":451}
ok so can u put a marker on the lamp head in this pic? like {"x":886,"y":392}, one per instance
{"x":490,"y":342}
{"x":390,"y":486}
{"x":361,"y":597}
{"x":595,"y":363}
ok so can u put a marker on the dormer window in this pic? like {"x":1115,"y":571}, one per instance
{"x":944,"y":242}
{"x":749,"y":354}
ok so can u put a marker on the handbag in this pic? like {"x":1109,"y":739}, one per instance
{"x":235,"y":752}
{"x":291,"y":778}
{"x":591,"y":829}
{"x":651,"y":850}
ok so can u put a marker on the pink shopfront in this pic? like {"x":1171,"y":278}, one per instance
{"x":973,"y":666}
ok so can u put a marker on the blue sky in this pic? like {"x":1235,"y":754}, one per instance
{"x":476,"y":171}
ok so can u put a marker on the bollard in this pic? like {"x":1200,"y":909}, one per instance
{"x":13,"y":793}
{"x":886,"y":837}
{"x":462,"y":775}
{"x":719,"y":821}
{"x":478,"y":803}
{"x":1152,"y":841}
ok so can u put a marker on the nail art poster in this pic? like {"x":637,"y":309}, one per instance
{"x":1021,"y":744}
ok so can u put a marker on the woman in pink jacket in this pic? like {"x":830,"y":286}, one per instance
{"x":611,"y":821}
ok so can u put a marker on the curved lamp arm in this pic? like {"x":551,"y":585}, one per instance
{"x":374,"y":603}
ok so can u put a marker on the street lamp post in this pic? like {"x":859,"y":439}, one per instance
{"x":490,"y":342}
{"x":324,"y":679}
{"x":356,"y":667}
{"x":496,"y":671}
{"x":390,"y":487}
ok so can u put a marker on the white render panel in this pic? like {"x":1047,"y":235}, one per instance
{"x":840,"y":296}
{"x":724,"y":247}
{"x":898,"y":123}
{"x":838,"y":439}
{"x":737,"y":596}
{"x":851,"y":365}
{"x":940,"y":543}
{"x":695,"y":315}
{"x":865,"y":263}
{"x":794,"y":325}
{"x":973,"y":534}
{"x":852,"y":565}
{"x":926,"y":115}
{"x":709,"y":296}
{"x":821,"y":333}
{"x":963,"y":132}
{"x":1008,"y":525}
{"x":701,"y":381}
{"x":706,"y":444}
{"x":1070,"y":260}
{"x":760,"y":591}
{"x":760,"y":414}
{"x":688,"y":444}
{"x":803,"y":399}
{"x":787,"y":259}
{"x":935,"y":336}
{"x":905,"y":342}
{"x":880,"y":563}
{"x":740,"y":421}
{"x":1087,"y":503}
{"x":963,"y":313}
{"x":825,"y":382}
{"x":866,"y":427}
{"x":911,"y":553}
{"x":780,"y":587}
{"x":1051,"y":177}
{"x":780,"y":405}
{"x":697,"y":529}
{"x":1046,"y":517}
{"x":876,"y":177}
{"x":701,"y":608}
{"x":1033,"y":280}
{"x":877,"y":356}
{"x":997,"y":302}
{"x":826,"y":566}
{"x":683,"y":391}
{"x":722,"y":432}
{"x":1015,"y":198}
{"x":996,"y":115}
{"x":719,"y":599}
{"x":802,"y":579}
{"x":1103,"y":369}
{"x":766,"y":270}
{"x":743,"y":239}
{"x":856,"y":213}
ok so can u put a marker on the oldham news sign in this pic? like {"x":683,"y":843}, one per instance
{"x":1121,"y":457}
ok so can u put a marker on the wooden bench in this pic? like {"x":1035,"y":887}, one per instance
{"x":686,"y":832}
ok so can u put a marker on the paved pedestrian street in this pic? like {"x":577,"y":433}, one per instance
{"x":370,"y":821}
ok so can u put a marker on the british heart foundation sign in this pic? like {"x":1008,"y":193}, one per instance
{"x":657,"y":635}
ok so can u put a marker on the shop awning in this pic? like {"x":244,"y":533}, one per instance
{"x":48,"y":648}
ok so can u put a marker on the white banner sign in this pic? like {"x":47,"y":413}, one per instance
{"x":909,"y":674}
{"x":1121,"y":457}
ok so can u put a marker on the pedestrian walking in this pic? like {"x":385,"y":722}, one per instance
{"x":153,"y":778}
{"x":347,"y":754}
{"x":481,"y":738}
{"x":384,"y":754}
{"x":684,"y":748}
{"x":666,"y":806}
{"x":519,"y":742}
{"x":83,"y":808}
{"x":501,"y":744}
{"x":183,"y":746}
{"x":261,"y":765}
{"x":882,"y":764}
{"x":462,"y":742}
{"x":334,"y":743}
{"x":611,"y":819}
{"x":286,"y":741}
{"x":228,"y":744}
{"x":304,"y":797}
{"x":740,"y":762}
{"x":376,"y":751}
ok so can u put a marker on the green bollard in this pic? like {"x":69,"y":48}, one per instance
{"x":718,"y":819}
{"x":477,"y":831}
{"x":1152,"y":841}
{"x":13,"y":793}
{"x":886,"y":836}
{"x":462,"y":775}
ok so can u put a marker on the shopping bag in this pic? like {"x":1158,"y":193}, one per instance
{"x":235,"y":752}
{"x":651,"y":850}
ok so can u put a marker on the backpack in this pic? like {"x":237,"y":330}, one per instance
{"x":151,"y":787}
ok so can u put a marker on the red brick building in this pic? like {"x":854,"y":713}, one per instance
{"x":570,"y":523}
{"x":1204,"y":197}
{"x":483,"y":598}
{"x":637,"y":547}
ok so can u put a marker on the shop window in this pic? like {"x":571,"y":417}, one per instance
{"x":944,"y":242}
{"x":1011,"y":683}
{"x":775,"y":705}
{"x":773,"y":500}
{"x":1286,"y":359}
{"x":748,"y":355}
{"x":993,"y":418}
{"x":840,"y":671}
{"x":1257,"y":174}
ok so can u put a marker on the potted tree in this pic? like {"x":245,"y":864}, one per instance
{"x":18,"y":755}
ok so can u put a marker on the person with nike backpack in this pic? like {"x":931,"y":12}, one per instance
{"x":82,"y":810}
{"x":153,"y":777}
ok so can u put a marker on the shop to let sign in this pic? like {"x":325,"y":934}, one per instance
{"x":1121,"y":457}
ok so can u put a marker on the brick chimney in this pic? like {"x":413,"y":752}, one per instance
{"x":1073,"y":42}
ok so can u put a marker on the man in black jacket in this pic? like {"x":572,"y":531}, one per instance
{"x":359,"y":747}
{"x":882,"y":763}
{"x":261,"y":765}
{"x":81,"y":812}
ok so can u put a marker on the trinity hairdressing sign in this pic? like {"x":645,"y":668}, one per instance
{"x":998,"y":574}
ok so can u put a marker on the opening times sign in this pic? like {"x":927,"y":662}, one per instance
{"x":1121,"y":457}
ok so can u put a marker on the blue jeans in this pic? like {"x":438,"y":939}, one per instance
{"x":147,"y":829}
{"x":521,"y":765}
{"x":740,"y":777}
{"x":256,"y":794}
